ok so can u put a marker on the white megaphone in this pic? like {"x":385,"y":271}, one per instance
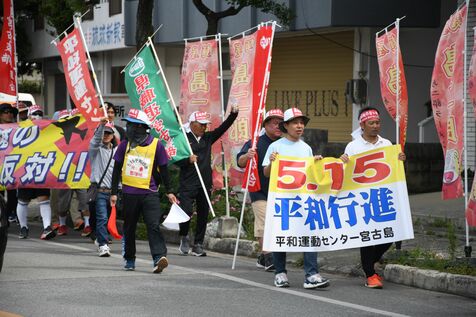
{"x":176,"y":215}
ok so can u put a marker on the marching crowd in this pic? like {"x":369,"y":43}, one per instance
{"x":133,"y":161}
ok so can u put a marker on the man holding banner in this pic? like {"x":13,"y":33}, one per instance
{"x":292,"y":145}
{"x":190,"y":187}
{"x":25,"y":195}
{"x":369,"y":139}
{"x":141,"y":162}
{"x":271,"y":122}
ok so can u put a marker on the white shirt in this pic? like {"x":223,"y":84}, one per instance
{"x":288,"y":148}
{"x":360,"y":145}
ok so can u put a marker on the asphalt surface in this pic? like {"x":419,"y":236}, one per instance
{"x":65,"y":277}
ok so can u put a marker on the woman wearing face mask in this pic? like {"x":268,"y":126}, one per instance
{"x":141,"y":163}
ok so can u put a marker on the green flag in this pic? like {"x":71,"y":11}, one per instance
{"x":146,"y":89}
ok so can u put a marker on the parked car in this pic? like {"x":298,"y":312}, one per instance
{"x":27,"y":99}
{"x":3,"y":229}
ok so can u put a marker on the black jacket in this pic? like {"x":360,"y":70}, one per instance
{"x":203,"y":150}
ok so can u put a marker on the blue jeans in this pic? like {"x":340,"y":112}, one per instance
{"x":310,"y":263}
{"x":102,"y":201}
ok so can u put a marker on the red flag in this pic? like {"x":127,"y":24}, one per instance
{"x":8,"y":75}
{"x":200,"y":91}
{"x":78,"y":80}
{"x":111,"y":224}
{"x":250,"y":59}
{"x":447,"y":100}
{"x":471,"y":209}
{"x":387,"y":51}
{"x":242,"y":52}
{"x":262,"y":69}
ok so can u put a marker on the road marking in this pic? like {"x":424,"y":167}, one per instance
{"x":249,"y":283}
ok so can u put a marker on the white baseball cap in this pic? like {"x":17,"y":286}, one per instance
{"x":291,"y":114}
{"x":200,"y":117}
{"x":137,"y":116}
{"x":273,"y":113}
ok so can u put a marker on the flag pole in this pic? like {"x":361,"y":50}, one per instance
{"x":151,"y":44}
{"x":260,"y":113}
{"x":15,"y":61}
{"x":397,"y":110}
{"x":77,"y":20}
{"x":467,"y":247}
{"x":227,"y":198}
{"x":140,"y":50}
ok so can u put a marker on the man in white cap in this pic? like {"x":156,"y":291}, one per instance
{"x":271,"y":122}
{"x":367,"y":139}
{"x":141,"y":164}
{"x":292,"y":145}
{"x":190,"y":188}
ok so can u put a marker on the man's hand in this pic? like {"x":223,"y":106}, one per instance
{"x":318,"y":157}
{"x":172,"y":198}
{"x":344,"y":158}
{"x":113,"y":200}
{"x":103,"y":120}
{"x":251,"y":153}
{"x":235,"y":108}
{"x":402,"y":156}
{"x":192,"y":159}
{"x":273,"y":157}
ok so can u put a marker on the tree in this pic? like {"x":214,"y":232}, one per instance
{"x":144,"y":27}
{"x":58,"y":13}
{"x":281,"y":11}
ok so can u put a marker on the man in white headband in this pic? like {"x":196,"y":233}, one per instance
{"x":369,"y":139}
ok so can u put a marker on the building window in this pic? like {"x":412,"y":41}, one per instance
{"x":115,"y":7}
{"x":117,"y":80}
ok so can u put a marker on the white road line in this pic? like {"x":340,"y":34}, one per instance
{"x":249,"y":283}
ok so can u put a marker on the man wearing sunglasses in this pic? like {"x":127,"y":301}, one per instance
{"x":7,"y":113}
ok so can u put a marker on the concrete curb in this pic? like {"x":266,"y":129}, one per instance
{"x":431,"y":280}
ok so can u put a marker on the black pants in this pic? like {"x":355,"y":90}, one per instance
{"x":12,"y":201}
{"x":371,"y":255}
{"x":186,"y":203}
{"x":149,"y":206}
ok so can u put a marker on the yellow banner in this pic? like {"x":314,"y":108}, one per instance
{"x":45,"y":154}
{"x":329,"y":175}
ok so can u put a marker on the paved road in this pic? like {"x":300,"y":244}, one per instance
{"x":65,"y":277}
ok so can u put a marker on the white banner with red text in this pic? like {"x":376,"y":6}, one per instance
{"x":327,"y":205}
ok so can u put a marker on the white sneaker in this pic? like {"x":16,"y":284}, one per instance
{"x":281,"y":280}
{"x":316,"y":281}
{"x":104,"y":251}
